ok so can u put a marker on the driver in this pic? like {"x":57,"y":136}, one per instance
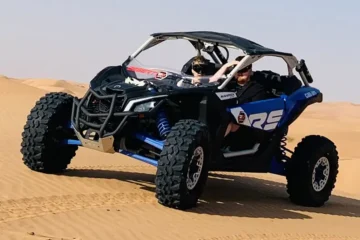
{"x":199,"y":68}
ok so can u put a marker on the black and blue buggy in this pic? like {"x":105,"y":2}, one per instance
{"x":164,"y":120}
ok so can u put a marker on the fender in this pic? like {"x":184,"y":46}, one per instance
{"x":297,"y":102}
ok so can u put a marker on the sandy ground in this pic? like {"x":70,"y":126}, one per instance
{"x":105,"y":196}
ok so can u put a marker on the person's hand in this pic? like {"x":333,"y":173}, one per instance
{"x":232,"y":63}
{"x":195,"y":80}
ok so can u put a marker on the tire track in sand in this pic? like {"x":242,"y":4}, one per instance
{"x":284,"y":236}
{"x":11,"y":210}
{"x":162,"y":223}
{"x":19,"y":182}
{"x":56,"y":193}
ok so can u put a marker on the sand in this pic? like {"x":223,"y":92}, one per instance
{"x":104,"y":196}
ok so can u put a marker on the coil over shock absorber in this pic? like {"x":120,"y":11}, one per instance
{"x":163,"y":124}
{"x":283,"y":148}
{"x":283,"y":143}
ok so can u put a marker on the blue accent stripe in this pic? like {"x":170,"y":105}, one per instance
{"x":71,"y":142}
{"x":139,"y":157}
{"x":127,"y":153}
{"x":149,"y":140}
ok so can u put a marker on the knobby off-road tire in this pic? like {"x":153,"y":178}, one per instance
{"x":46,"y":126}
{"x":173,"y":188}
{"x":306,"y":187}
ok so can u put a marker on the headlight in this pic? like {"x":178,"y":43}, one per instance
{"x":144,"y":107}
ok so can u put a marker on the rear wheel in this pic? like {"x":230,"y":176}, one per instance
{"x":312,"y":171}
{"x":46,"y":127}
{"x":183,"y":165}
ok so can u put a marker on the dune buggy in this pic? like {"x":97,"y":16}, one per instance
{"x":163,"y":120}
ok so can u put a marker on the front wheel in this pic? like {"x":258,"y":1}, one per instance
{"x":312,"y":171}
{"x":45,"y":128}
{"x":183,"y":165}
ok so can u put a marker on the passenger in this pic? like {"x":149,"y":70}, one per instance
{"x":250,"y":86}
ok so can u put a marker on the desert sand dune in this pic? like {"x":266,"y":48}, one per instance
{"x":104,"y":196}
{"x":52,"y":85}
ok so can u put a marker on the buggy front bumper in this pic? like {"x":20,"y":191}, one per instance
{"x":90,"y":121}
{"x":96,"y":119}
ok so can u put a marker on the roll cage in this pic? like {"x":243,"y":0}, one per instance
{"x":211,"y":41}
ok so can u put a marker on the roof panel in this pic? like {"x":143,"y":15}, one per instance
{"x":248,"y":46}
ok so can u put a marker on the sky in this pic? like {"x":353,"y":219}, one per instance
{"x":75,"y":39}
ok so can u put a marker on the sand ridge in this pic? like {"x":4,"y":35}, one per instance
{"x":105,"y":196}
{"x":53,"y":85}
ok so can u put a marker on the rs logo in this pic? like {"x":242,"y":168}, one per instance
{"x":258,"y":119}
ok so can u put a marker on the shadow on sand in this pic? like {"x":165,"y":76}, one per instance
{"x":238,"y":196}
